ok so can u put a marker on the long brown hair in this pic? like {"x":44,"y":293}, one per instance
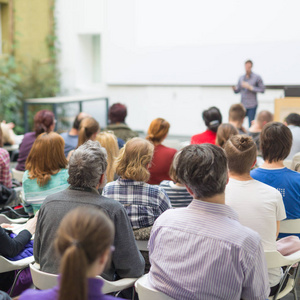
{"x":88,"y":127}
{"x":82,"y":237}
{"x":46,"y":157}
{"x":158,"y":130}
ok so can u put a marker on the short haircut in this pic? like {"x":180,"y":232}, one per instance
{"x":237,"y":112}
{"x":241,"y":154}
{"x":249,"y":61}
{"x":86,"y":165}
{"x":264,"y":117}
{"x":293,"y":119}
{"x":212,"y":118}
{"x":43,"y":120}
{"x":133,"y":160}
{"x":158,"y":130}
{"x":117,"y":113}
{"x":203,"y":169}
{"x":225,"y":131}
{"x":275,"y":142}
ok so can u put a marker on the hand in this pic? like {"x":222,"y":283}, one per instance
{"x":4,"y":225}
{"x":234,"y":88}
{"x":247,"y":86}
{"x":31,"y":224}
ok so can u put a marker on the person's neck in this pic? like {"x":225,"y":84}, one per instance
{"x":179,"y":184}
{"x":273,"y":165}
{"x":73,"y":131}
{"x":236,"y":124}
{"x":218,"y":199}
{"x":240,"y":177}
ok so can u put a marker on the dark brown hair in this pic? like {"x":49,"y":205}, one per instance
{"x":275,"y":142}
{"x":225,"y":131}
{"x":83,"y":237}
{"x":158,"y":130}
{"x":241,"y":154}
{"x":117,"y":113}
{"x":237,"y":112}
{"x":212,"y":118}
{"x":43,"y":120}
{"x":88,"y":127}
{"x":46,"y":157}
{"x":249,"y":61}
{"x":293,"y":119}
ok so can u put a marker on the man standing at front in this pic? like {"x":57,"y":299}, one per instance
{"x":202,"y":251}
{"x":249,"y":85}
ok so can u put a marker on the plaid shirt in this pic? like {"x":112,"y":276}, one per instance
{"x":142,"y":201}
{"x":5,"y":177}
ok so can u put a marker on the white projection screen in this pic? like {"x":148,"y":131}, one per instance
{"x":197,"y":42}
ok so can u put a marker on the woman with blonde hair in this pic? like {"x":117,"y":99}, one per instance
{"x":163,"y":156}
{"x":84,"y":242}
{"x":224,"y":133}
{"x":109,"y":141}
{"x":46,"y":173}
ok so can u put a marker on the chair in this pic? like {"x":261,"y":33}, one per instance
{"x":274,"y":260}
{"x":290,"y":226}
{"x":146,"y":292}
{"x":43,"y":281}
{"x":18,"y":175}
{"x":142,"y":245}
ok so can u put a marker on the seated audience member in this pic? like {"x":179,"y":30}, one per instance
{"x":224,"y":133}
{"x":109,"y":141}
{"x":46,"y":171}
{"x":213,"y":119}
{"x":237,"y":114}
{"x":116,"y":115}
{"x":202,"y":249}
{"x":71,"y":137}
{"x":264,"y":117}
{"x":176,"y":191}
{"x":87,"y":168}
{"x":259,"y":206}
{"x":142,"y":201}
{"x":5,"y":177}
{"x":163,"y":156}
{"x":84,"y":242}
{"x":8,"y":135}
{"x":293,"y":122}
{"x":276,"y":141}
{"x":44,"y":121}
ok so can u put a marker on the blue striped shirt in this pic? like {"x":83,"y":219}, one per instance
{"x":203,"y":252}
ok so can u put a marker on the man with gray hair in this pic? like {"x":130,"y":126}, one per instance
{"x":87,"y":168}
{"x":202,"y":251}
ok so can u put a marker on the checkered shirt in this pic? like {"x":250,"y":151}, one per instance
{"x":5,"y":177}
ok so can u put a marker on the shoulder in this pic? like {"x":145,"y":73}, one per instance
{"x":33,"y":294}
{"x":165,"y":184}
{"x":4,"y":153}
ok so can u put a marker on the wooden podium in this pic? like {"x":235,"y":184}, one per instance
{"x":285,"y":106}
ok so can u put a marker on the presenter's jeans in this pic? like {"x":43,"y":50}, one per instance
{"x":250,"y":113}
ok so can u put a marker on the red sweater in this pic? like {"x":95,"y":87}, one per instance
{"x":160,"y":165}
{"x":207,"y":136}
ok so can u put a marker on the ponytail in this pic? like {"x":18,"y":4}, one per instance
{"x":88,"y":127}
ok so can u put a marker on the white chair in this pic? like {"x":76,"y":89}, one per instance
{"x":142,"y":245}
{"x":146,"y":292}
{"x":18,"y":175}
{"x":274,"y":260}
{"x":291,"y":226}
{"x":5,"y":219}
{"x":43,"y":281}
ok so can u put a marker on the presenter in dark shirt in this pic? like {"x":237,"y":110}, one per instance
{"x":249,"y":85}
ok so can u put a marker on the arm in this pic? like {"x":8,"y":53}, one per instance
{"x":164,"y":201}
{"x":277,"y":230}
{"x":238,"y":87}
{"x":259,"y":86}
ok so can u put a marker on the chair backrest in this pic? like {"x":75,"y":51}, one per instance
{"x":146,"y":292}
{"x":290,"y":226}
{"x":296,"y":162}
{"x":7,"y":265}
{"x":142,"y":245}
{"x":18,"y":175}
{"x":275,"y":259}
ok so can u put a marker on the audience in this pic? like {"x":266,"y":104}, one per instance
{"x":237,"y":114}
{"x":224,"y":133}
{"x":259,"y":206}
{"x":176,"y":191}
{"x":5,"y":177}
{"x":293,"y":122}
{"x":163,"y":156}
{"x":203,"y":249}
{"x":44,"y":121}
{"x":213,"y":119}
{"x":46,"y":171}
{"x":84,"y":242}
{"x":87,"y":168}
{"x":276,"y":142}
{"x":116,"y":115}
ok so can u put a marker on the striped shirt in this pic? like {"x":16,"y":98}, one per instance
{"x":5,"y":177}
{"x":249,"y":99}
{"x":142,"y":201}
{"x":178,"y":195}
{"x":203,"y":252}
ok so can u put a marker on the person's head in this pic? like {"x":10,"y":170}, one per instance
{"x":46,"y":157}
{"x":237,"y":113}
{"x":117,"y":113}
{"x":88,"y":130}
{"x":172,"y":170}
{"x":84,"y":239}
{"x":134,"y":159}
{"x":275,"y":142}
{"x":87,"y":165}
{"x":293,"y":119}
{"x":212,"y":118}
{"x":225,"y":131}
{"x":110,"y":143}
{"x":44,"y":121}
{"x":248,"y":66}
{"x":241,"y":154}
{"x":78,"y":119}
{"x":203,"y":170}
{"x":158,"y":130}
{"x":263,"y":118}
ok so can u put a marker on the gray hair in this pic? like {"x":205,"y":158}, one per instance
{"x":203,"y":169}
{"x":86,"y":165}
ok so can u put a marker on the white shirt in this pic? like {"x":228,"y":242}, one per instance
{"x":296,"y":141}
{"x":259,"y":207}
